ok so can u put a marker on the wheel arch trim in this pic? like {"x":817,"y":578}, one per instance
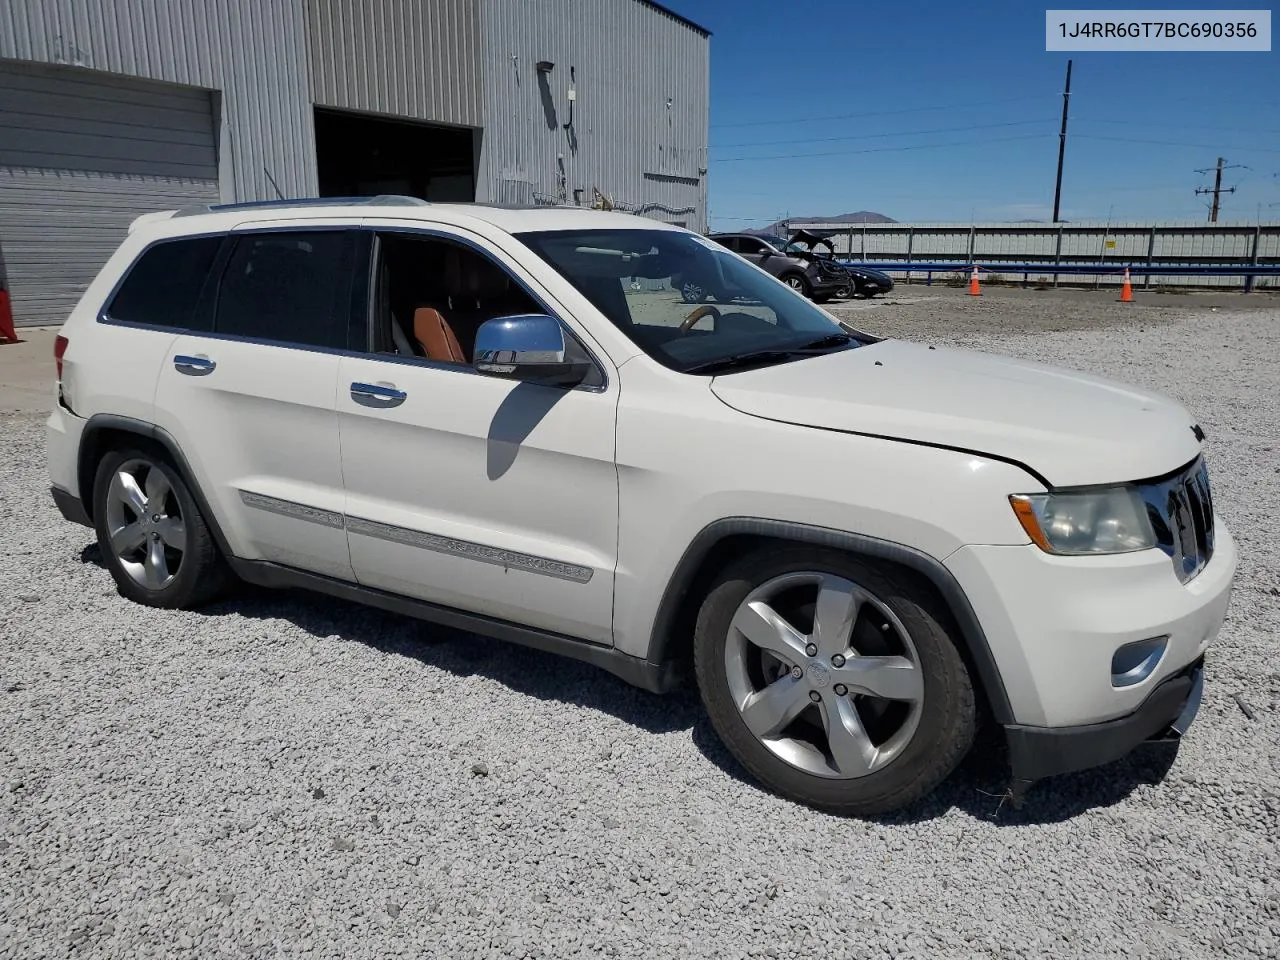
{"x":662,"y":639}
{"x":86,"y":465}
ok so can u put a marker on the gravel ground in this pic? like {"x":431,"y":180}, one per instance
{"x":283,"y":775}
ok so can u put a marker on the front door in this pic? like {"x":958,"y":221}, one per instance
{"x":467,"y":490}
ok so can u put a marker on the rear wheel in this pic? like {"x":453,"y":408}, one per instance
{"x":151,"y":533}
{"x":834,"y":683}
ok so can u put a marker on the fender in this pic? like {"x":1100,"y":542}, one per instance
{"x":101,"y":422}
{"x":662,"y":641}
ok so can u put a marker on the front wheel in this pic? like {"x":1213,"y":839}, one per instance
{"x":833,"y":682}
{"x":798,"y":283}
{"x":153,"y":538}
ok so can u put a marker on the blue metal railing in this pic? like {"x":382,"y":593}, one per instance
{"x":1250,"y":271}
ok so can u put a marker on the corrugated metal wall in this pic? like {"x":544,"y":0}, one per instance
{"x":252,"y":51}
{"x":408,"y":58}
{"x":639,"y":123}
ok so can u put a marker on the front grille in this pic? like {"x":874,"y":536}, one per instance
{"x":1181,"y":512}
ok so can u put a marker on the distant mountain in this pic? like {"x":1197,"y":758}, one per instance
{"x":862,"y":216}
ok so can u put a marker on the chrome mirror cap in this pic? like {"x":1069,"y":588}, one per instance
{"x":527,"y":347}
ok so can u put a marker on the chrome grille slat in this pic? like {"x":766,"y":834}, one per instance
{"x":1181,"y":512}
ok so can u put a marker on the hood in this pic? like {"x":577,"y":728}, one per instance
{"x":1070,"y":428}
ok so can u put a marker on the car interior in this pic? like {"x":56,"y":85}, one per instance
{"x":432,"y":295}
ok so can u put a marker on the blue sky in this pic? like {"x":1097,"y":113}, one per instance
{"x":959,"y":83}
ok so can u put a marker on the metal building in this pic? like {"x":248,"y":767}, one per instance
{"x":112,"y":108}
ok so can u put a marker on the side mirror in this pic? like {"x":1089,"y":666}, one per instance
{"x":529,"y":347}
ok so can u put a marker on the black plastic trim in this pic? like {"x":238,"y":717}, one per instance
{"x":971,"y":631}
{"x":70,"y":507}
{"x":655,"y":677}
{"x":149,"y":431}
{"x":1039,"y":752}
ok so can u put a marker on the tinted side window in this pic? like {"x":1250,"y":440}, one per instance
{"x":164,"y":284}
{"x":286,"y":287}
{"x":729,"y":243}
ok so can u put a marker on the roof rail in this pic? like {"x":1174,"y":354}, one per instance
{"x":382,"y":200}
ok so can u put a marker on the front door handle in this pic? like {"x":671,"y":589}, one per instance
{"x":197,"y":366}
{"x":378,"y":395}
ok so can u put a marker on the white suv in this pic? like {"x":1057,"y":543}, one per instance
{"x":507,"y":421}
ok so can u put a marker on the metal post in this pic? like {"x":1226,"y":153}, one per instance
{"x":1257,"y":238}
{"x":1057,"y":255}
{"x":864,"y":243}
{"x":911,"y":238}
{"x":972,"y":228}
{"x":1151,"y":256}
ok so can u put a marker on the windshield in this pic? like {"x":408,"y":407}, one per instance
{"x":686,"y":301}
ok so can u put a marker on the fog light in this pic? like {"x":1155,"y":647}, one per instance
{"x":1134,"y":662}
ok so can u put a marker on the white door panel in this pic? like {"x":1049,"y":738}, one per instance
{"x":260,"y":432}
{"x":484,"y":494}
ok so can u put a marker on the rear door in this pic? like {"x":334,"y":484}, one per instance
{"x":250,"y":399}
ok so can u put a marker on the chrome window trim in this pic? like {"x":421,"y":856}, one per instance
{"x":433,"y":232}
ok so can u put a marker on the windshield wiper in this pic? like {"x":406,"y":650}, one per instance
{"x":743,"y":360}
{"x":772,"y":356}
{"x":830,"y":340}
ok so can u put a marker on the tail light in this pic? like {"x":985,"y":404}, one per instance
{"x":59,"y":348}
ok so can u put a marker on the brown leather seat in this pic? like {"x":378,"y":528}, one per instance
{"x":475,"y":291}
{"x":436,"y":337}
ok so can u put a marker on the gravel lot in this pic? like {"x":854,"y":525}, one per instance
{"x":284,"y":775}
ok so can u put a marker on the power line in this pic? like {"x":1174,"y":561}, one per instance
{"x":873,"y":113}
{"x":1177,"y":123}
{"x":1173,"y":143}
{"x":880,"y":136}
{"x":850,"y":153}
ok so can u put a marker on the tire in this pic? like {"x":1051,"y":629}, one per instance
{"x":887,"y":752}
{"x":151,"y":533}
{"x":691,"y":292}
{"x":797,"y":282}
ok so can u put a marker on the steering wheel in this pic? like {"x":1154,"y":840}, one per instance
{"x":706,"y":310}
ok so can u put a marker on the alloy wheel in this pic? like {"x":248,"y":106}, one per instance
{"x":824,"y":674}
{"x":145,"y":524}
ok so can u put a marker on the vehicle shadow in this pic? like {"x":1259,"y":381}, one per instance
{"x":978,"y":787}
{"x":533,"y":673}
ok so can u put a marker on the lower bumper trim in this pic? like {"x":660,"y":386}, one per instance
{"x":70,"y":507}
{"x":1038,"y":752}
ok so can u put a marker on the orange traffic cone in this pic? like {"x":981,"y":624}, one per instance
{"x":973,"y":283}
{"x":1126,"y":291}
{"x":6,"y":318}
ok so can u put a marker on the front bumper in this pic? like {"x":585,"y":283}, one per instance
{"x":1054,"y":623}
{"x":1166,"y":713}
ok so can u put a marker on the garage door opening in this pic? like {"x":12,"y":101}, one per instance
{"x":362,"y":156}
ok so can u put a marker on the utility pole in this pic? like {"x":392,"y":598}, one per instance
{"x":1217,"y":189}
{"x":1062,"y":144}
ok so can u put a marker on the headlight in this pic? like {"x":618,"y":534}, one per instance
{"x":1085,"y":522}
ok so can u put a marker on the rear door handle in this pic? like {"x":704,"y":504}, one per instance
{"x":378,"y":395}
{"x":197,"y":366}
